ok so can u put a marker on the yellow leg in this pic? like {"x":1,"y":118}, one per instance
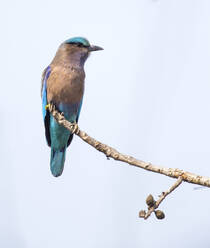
{"x":47,"y":106}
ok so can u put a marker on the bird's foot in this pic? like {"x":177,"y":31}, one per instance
{"x":74,"y":128}
{"x":47,"y":106}
{"x":50,"y":107}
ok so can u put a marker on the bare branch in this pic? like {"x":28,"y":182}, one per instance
{"x":112,"y":153}
{"x":152,"y":205}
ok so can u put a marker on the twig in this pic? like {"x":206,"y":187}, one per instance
{"x":154,"y":205}
{"x":112,"y":153}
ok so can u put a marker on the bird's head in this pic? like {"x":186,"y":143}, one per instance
{"x":81,"y":47}
{"x":83,"y":44}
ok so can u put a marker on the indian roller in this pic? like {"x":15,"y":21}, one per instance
{"x":63,"y":86}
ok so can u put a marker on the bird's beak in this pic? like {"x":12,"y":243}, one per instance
{"x":94,"y":48}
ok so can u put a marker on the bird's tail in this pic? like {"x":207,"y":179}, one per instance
{"x":57,"y":160}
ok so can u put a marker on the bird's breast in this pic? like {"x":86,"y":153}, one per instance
{"x":65,"y":85}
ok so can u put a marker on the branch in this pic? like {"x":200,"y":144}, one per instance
{"x":112,"y":153}
{"x":152,"y":205}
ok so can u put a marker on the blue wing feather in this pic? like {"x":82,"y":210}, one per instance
{"x":44,"y":91}
{"x":46,"y":115}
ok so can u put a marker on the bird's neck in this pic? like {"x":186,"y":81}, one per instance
{"x":70,"y":57}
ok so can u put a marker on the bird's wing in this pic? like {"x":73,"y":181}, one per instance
{"x":45,"y":112}
{"x":45,"y":75}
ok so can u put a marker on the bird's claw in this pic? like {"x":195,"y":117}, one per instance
{"x":47,"y":106}
{"x":50,"y":107}
{"x":75,"y":128}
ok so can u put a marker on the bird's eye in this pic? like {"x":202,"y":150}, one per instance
{"x":79,"y":45}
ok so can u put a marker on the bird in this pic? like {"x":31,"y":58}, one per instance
{"x":63,"y":87}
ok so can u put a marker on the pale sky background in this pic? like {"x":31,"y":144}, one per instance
{"x":147,"y":94}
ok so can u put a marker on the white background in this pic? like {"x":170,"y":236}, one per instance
{"x":147,"y":94}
